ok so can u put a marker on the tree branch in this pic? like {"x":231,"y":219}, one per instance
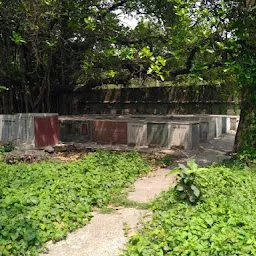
{"x":112,"y":8}
{"x":186,"y":71}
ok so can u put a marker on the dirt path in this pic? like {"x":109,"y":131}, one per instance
{"x":107,"y":234}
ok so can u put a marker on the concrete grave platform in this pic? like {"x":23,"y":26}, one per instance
{"x":8,"y":128}
{"x":218,"y":125}
{"x":158,"y":134}
{"x":137,"y":133}
{"x":36,"y":130}
{"x":109,"y":132}
{"x":31,"y":130}
{"x":167,"y":131}
{"x":75,"y":130}
{"x":184,"y":135}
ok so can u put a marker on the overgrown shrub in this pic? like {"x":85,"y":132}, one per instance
{"x":185,"y":186}
{"x":164,"y":161}
{"x":6,"y":147}
{"x":247,"y":156}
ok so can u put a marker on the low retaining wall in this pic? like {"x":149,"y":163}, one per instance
{"x":30,"y":130}
{"x":182,"y":131}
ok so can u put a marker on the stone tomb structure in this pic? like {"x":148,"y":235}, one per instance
{"x":169,"y":131}
{"x":137,"y":133}
{"x":32,"y":130}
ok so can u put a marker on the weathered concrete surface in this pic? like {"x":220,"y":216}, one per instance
{"x":103,"y":236}
{"x":147,"y":188}
{"x":184,"y":134}
{"x":216,"y":150}
{"x":137,"y":133}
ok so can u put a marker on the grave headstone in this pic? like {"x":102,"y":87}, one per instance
{"x":7,"y":128}
{"x":137,"y":134}
{"x":109,"y":132}
{"x":158,"y":134}
{"x":184,"y":135}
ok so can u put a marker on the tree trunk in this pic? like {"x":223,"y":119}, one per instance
{"x":246,"y":133}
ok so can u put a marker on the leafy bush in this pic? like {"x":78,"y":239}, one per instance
{"x":164,"y":161}
{"x":6,"y":147}
{"x":43,"y":201}
{"x":247,"y":156}
{"x":185,"y":186}
{"x":222,"y":223}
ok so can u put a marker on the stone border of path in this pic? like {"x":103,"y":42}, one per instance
{"x":107,"y":234}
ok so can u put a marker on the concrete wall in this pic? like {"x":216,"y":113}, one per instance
{"x":75,"y":130}
{"x":137,"y":133}
{"x":184,"y":135}
{"x":182,"y":131}
{"x":29,"y":130}
{"x":158,"y":134}
{"x":7,"y":128}
{"x":154,"y":100}
{"x":109,"y":132}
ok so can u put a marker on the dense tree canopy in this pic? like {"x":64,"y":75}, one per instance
{"x":58,"y":44}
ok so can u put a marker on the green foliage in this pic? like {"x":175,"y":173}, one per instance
{"x":17,"y":38}
{"x":247,"y":156}
{"x":43,"y":201}
{"x":6,"y":147}
{"x":185,"y":187}
{"x":156,"y":63}
{"x":166,"y":160}
{"x":222,"y":223}
{"x":3,"y":88}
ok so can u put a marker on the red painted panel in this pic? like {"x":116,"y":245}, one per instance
{"x":120,"y":133}
{"x":46,"y":131}
{"x":84,"y":129}
{"x":109,"y":132}
{"x":100,"y":131}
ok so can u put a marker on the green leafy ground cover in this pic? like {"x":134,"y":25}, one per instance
{"x":43,"y":201}
{"x":223,"y":222}
{"x":6,"y":147}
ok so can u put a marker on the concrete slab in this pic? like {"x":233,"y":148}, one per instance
{"x":137,"y":134}
{"x":207,"y":127}
{"x":218,"y":126}
{"x":103,"y":236}
{"x":109,"y":132}
{"x":46,"y":131}
{"x":147,"y":188}
{"x":158,"y":134}
{"x":8,"y":127}
{"x":25,"y":129}
{"x":75,"y":130}
{"x":184,"y":135}
{"x":207,"y":124}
